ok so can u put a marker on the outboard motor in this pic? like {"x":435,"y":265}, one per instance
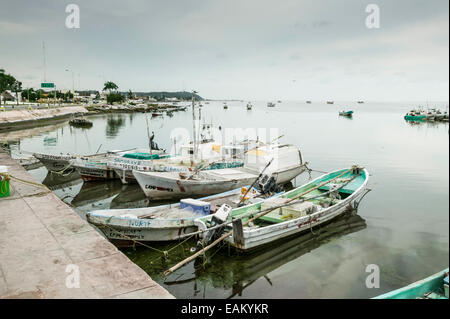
{"x":218,"y":218}
{"x":267,"y":184}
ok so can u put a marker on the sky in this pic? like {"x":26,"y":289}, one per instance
{"x":234,"y":49}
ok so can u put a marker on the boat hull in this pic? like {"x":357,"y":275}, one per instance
{"x":54,"y":163}
{"x":124,"y":230}
{"x":257,"y":237}
{"x":417,"y":289}
{"x":95,"y":173}
{"x":159,"y":187}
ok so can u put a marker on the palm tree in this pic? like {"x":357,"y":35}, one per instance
{"x":6,"y":81}
{"x":17,"y":87}
{"x":110,"y":86}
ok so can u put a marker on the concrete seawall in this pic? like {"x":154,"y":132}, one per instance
{"x":19,"y":119}
{"x":41,"y":238}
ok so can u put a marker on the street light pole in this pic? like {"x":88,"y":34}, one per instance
{"x":73,"y":86}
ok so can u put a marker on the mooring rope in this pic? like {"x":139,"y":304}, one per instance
{"x":163,"y":252}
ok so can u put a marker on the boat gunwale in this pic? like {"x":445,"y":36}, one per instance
{"x":310,"y":217}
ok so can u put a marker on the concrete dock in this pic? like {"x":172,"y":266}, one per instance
{"x":25,"y":118}
{"x":48,"y":251}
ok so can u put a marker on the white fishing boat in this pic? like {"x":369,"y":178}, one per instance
{"x":207,"y":152}
{"x":249,"y":106}
{"x":284,"y":162}
{"x":55,"y":163}
{"x":293,"y":212}
{"x":167,"y":222}
{"x":96,"y":167}
{"x":220,"y":156}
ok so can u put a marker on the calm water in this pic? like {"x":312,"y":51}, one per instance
{"x":402,"y":225}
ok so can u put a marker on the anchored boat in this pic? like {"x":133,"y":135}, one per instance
{"x":346,"y":113}
{"x":433,"y":287}
{"x":80,"y":122}
{"x":167,"y":222}
{"x":208,"y":151}
{"x":55,"y":163}
{"x":291,"y":213}
{"x":96,"y":167}
{"x":287,"y":164}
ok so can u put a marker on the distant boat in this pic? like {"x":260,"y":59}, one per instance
{"x":225,"y":106}
{"x":308,"y":102}
{"x":80,"y":122}
{"x":416,"y":115}
{"x":433,"y":287}
{"x":346,"y":113}
{"x":270,"y":104}
{"x":157,"y":114}
{"x":249,"y":106}
{"x":279,"y":101}
{"x":360,"y":102}
{"x":330,"y":102}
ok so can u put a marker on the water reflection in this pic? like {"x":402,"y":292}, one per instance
{"x":56,"y":181}
{"x":237,"y":272}
{"x":97,"y":194}
{"x":113,"y":125}
{"x":130,"y":196}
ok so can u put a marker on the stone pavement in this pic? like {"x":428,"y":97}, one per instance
{"x":40,"y":236}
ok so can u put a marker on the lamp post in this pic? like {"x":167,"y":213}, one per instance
{"x":73,"y":86}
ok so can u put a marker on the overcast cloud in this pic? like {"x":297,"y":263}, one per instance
{"x":247,"y":49}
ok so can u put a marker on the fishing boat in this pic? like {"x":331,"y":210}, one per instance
{"x":284,"y":163}
{"x":438,"y":115}
{"x":80,"y":122}
{"x":96,"y":167}
{"x":415,"y":115}
{"x":360,"y":102}
{"x":432,"y":287}
{"x":346,"y":113}
{"x":55,"y":163}
{"x":225,"y":106}
{"x":208,"y":152}
{"x":330,"y":102}
{"x":222,"y":155}
{"x":165,"y":222}
{"x":308,"y":102}
{"x":293,"y":212}
{"x":270,"y":104}
{"x":249,"y":106}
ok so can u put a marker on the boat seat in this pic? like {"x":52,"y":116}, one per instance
{"x":350,"y":188}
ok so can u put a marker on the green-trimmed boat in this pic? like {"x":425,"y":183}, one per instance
{"x":298,"y":210}
{"x":346,"y":113}
{"x":433,"y":287}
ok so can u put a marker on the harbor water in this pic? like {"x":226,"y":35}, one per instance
{"x":401,"y":226}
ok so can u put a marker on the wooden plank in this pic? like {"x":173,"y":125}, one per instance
{"x":238,"y":233}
